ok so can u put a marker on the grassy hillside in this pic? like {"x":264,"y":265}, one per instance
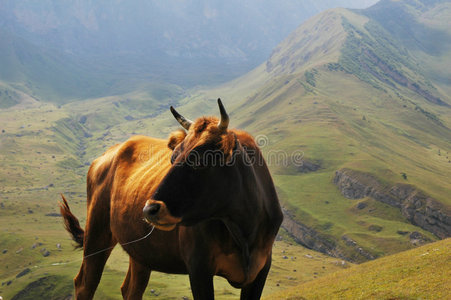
{"x":422,"y":273}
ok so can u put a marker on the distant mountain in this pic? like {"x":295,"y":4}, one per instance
{"x":45,"y":74}
{"x":370,"y":51}
{"x":420,"y":27}
{"x":244,"y":30}
{"x":117,"y":46}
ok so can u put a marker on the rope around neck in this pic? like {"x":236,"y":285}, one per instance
{"x":128,"y":243}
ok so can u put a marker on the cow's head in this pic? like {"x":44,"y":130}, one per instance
{"x":203,"y":178}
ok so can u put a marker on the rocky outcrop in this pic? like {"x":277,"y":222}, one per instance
{"x":308,"y":166}
{"x":350,"y":242}
{"x":422,"y":210}
{"x":418,"y":239}
{"x":312,"y":239}
{"x":419,"y":208}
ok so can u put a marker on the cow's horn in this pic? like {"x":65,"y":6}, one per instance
{"x":181,"y":119}
{"x":224,"y":122}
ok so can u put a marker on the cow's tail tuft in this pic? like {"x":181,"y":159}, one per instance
{"x":71,"y":223}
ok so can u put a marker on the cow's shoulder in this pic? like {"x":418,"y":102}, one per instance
{"x":138,"y":149}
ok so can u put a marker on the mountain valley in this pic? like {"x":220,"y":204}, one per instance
{"x":352,"y":112}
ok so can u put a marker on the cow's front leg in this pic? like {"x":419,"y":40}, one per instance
{"x":201,"y":280}
{"x":202,"y":286}
{"x":254,"y":290}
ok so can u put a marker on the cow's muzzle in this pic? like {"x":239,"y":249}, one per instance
{"x":156,"y":213}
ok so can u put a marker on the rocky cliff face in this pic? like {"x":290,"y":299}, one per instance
{"x":419,"y":208}
{"x":312,"y":239}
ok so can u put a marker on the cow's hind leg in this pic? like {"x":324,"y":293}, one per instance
{"x":136,"y":281}
{"x":97,"y":246}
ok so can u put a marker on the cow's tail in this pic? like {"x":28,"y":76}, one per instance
{"x":71,"y":223}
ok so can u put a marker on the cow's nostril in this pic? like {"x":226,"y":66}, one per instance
{"x":152,"y":209}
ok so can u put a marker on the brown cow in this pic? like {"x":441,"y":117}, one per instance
{"x":207,"y":191}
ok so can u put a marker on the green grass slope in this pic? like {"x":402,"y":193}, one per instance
{"x":422,"y":273}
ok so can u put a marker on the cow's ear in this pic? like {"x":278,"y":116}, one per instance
{"x":176,"y":138}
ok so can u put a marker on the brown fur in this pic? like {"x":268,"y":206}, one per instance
{"x":176,"y":138}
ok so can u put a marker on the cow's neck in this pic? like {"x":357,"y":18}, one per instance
{"x":247,"y":219}
{"x":244,"y":229}
{"x":240,"y":239}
